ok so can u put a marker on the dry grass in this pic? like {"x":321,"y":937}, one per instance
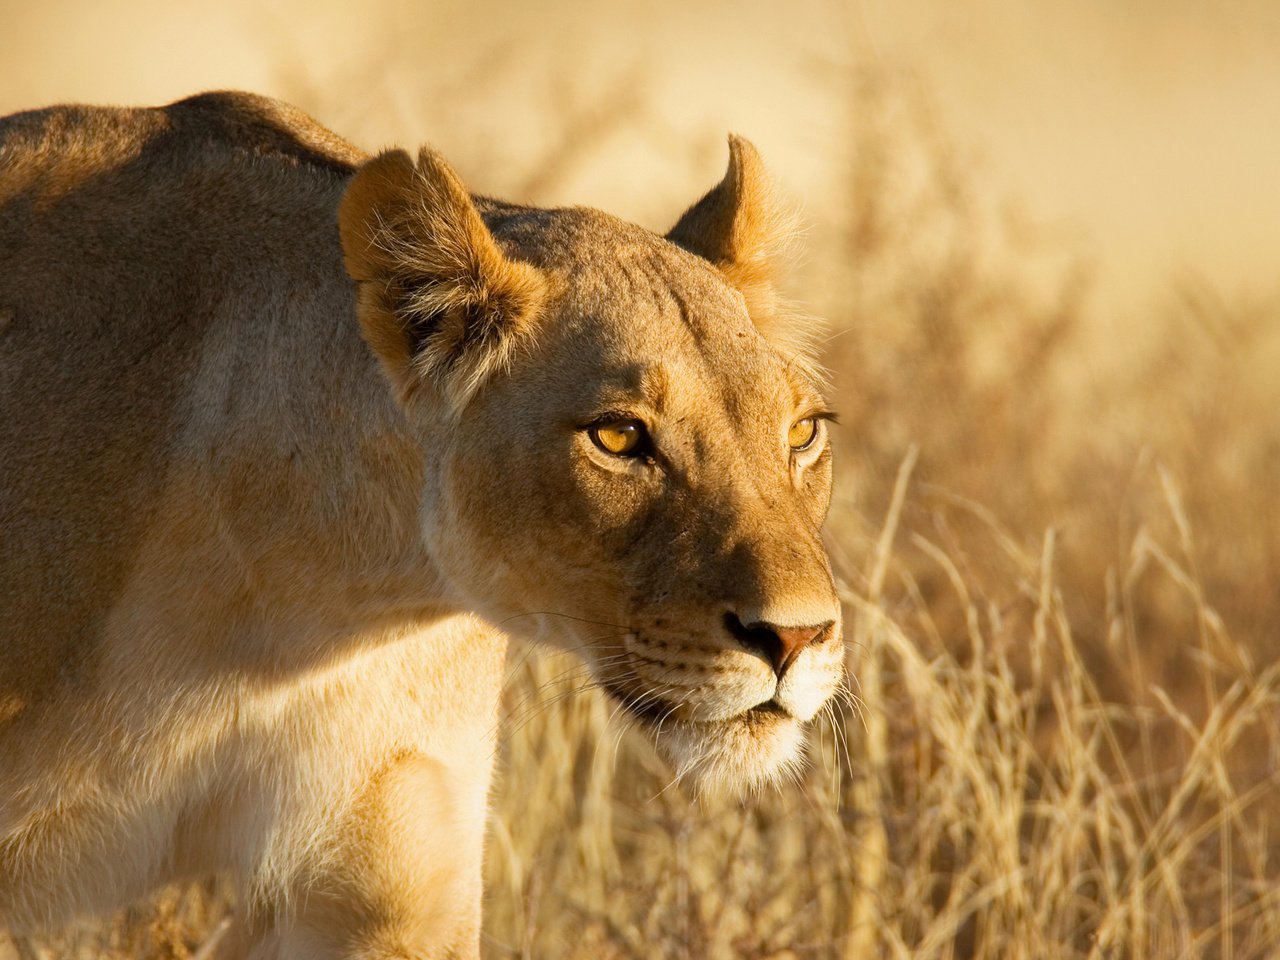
{"x":1058,"y":552}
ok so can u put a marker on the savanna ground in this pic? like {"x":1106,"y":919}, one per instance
{"x":1057,"y":540}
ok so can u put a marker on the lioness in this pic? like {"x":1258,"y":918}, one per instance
{"x":291,"y":434}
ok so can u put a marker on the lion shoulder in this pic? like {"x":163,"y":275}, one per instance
{"x":132,"y":243}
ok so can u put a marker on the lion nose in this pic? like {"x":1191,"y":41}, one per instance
{"x":779,"y":645}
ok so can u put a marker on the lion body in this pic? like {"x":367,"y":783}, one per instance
{"x":185,"y":457}
{"x":225,"y":643}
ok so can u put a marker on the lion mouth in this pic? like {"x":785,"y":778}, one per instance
{"x":653,"y":710}
{"x":768,"y":708}
{"x":738,"y":754}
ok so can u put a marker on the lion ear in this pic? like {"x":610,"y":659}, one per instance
{"x":742,"y":229}
{"x":438,"y":302}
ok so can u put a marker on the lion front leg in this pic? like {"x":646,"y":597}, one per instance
{"x":400,"y":879}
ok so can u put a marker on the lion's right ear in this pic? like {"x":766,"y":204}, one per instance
{"x":439,"y":302}
{"x":742,"y":228}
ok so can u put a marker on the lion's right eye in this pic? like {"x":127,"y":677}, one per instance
{"x":802,"y":434}
{"x":620,"y":438}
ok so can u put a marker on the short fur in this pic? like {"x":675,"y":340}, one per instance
{"x":260,"y":514}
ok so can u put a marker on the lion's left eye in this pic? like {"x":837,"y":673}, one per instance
{"x":620,"y":438}
{"x":802,"y":433}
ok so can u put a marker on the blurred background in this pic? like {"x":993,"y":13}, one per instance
{"x":1145,"y":132}
{"x":1044,"y":241}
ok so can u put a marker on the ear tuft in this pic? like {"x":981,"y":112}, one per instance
{"x":743,"y":228}
{"x":439,"y":302}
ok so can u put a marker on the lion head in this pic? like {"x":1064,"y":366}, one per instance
{"x":626,"y":448}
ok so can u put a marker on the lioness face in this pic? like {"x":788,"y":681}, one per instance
{"x":642,"y":479}
{"x":647,"y":483}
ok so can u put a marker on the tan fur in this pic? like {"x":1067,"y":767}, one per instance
{"x":260,"y":522}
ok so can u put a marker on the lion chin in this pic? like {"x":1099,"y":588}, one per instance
{"x":737,"y":757}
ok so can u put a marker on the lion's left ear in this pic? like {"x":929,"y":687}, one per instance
{"x":439,"y":302}
{"x":745,"y":232}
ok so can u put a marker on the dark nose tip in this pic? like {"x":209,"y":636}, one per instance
{"x":779,"y":645}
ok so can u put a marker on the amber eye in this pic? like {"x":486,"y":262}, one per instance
{"x":622,"y":438}
{"x":802,"y":433}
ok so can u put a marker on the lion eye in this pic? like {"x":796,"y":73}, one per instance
{"x":621,"y":438}
{"x":802,"y":433}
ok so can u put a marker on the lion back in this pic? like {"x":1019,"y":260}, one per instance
{"x":128,"y":239}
